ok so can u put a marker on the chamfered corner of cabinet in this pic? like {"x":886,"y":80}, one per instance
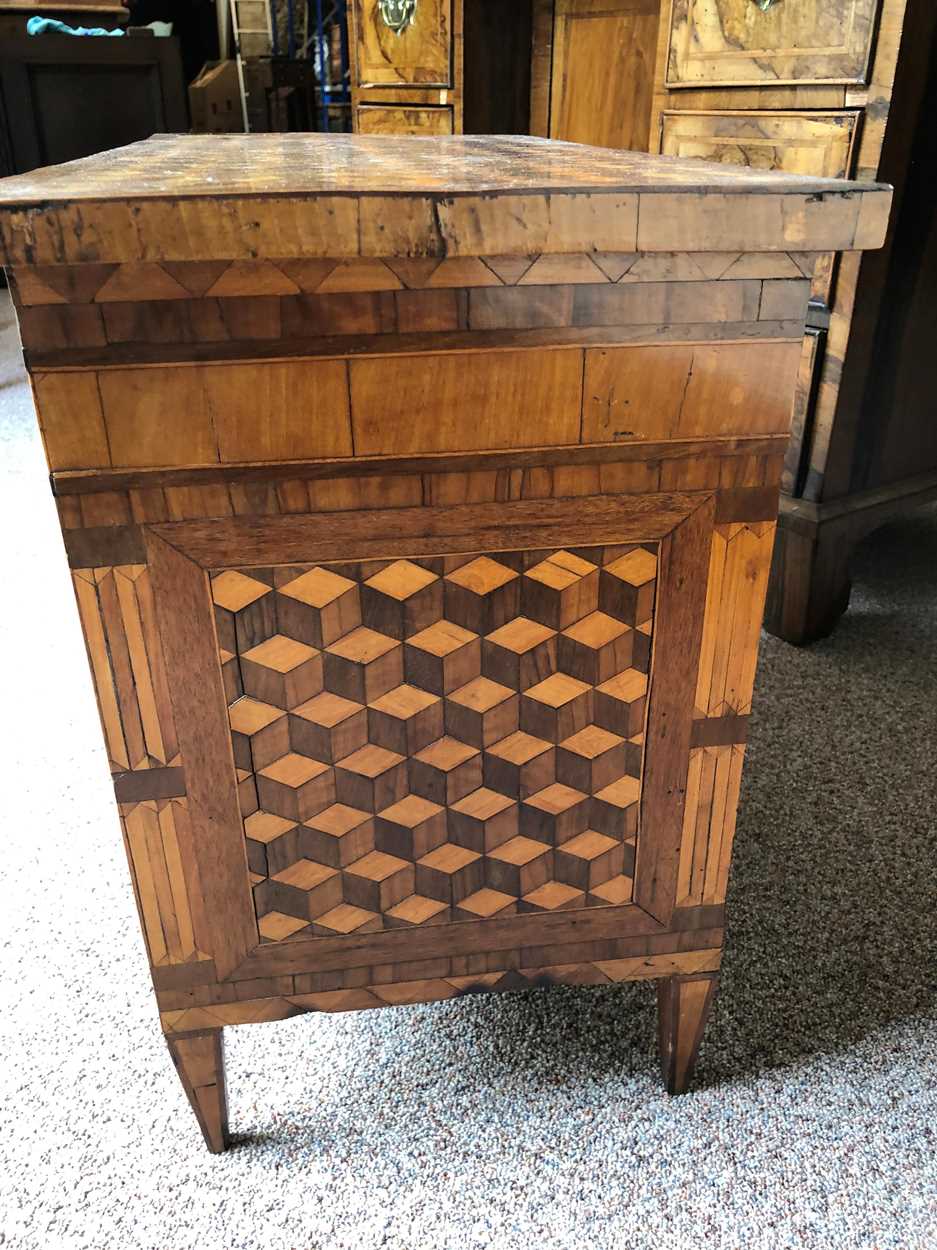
{"x":872,"y":222}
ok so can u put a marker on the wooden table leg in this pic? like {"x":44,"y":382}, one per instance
{"x":683,"y":1005}
{"x":199,"y":1060}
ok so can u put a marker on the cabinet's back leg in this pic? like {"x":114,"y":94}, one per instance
{"x":683,"y":1005}
{"x":199,"y":1060}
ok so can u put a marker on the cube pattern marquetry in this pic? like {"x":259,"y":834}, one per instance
{"x":428,"y":740}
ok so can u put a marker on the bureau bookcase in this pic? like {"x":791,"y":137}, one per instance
{"x":419,"y":501}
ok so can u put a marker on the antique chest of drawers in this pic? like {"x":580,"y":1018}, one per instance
{"x":419,"y":498}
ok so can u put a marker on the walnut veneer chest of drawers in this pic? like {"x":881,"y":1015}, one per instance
{"x":419,"y":498}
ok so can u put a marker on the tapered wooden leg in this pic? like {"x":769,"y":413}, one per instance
{"x":199,"y":1060}
{"x":683,"y":1005}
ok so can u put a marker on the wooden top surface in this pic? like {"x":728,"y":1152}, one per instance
{"x":217,"y":166}
{"x":240,"y":197}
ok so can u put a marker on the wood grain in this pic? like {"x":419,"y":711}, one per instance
{"x":816,"y":144}
{"x":683,"y":391}
{"x":679,"y":631}
{"x":417,"y":54}
{"x":610,"y":104}
{"x":683,"y":1006}
{"x":183,"y":612}
{"x":127,"y":664}
{"x":436,"y":988}
{"x":414,"y":198}
{"x":199,"y":1060}
{"x":737,"y":43}
{"x":401,"y":405}
{"x":384,"y":119}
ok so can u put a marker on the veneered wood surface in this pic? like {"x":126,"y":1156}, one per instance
{"x":436,"y":984}
{"x":738,"y":42}
{"x":670,"y":392}
{"x":668,"y":734}
{"x":813,"y":144}
{"x":683,"y":1006}
{"x":126,"y":658}
{"x":603,"y":71}
{"x":414,"y":811}
{"x":200,"y":720}
{"x":387,"y":119}
{"x":169,"y":167}
{"x":404,"y":404}
{"x":738,"y":578}
{"x":185,"y":621}
{"x":177,"y":198}
{"x":199,"y":1060}
{"x":420,"y":53}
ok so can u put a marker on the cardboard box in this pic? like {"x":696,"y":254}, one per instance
{"x":215,"y":100}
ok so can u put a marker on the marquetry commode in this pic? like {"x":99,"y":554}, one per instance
{"x":419,"y":497}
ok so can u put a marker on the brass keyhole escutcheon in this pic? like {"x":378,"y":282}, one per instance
{"x":765,"y":5}
{"x":399,"y":14}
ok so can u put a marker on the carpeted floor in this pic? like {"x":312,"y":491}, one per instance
{"x":529,"y":1120}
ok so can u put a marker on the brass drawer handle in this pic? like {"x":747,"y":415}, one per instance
{"x":399,"y":14}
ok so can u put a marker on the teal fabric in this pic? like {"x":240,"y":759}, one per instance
{"x":49,"y":26}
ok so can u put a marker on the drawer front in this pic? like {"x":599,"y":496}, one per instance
{"x":387,"y":119}
{"x":404,"y":42}
{"x":478,"y":719}
{"x":741,"y":43}
{"x":813,"y":144}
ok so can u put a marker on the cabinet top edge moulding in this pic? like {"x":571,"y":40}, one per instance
{"x":738,"y":43}
{"x":244,"y":197}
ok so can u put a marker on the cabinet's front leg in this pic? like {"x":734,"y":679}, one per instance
{"x":683,"y":1005}
{"x":199,"y":1060}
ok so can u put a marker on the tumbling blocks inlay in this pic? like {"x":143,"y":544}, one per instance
{"x":420,"y":741}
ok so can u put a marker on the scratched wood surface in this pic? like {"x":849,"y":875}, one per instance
{"x":188,"y":197}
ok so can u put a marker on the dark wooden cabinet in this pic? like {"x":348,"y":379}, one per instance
{"x":63,"y":97}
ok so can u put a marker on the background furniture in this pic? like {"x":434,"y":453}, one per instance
{"x":63,"y":97}
{"x":869,"y":447}
{"x":419,"y":500}
{"x":802,"y":88}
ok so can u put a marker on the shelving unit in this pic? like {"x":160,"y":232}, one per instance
{"x":316,"y":32}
